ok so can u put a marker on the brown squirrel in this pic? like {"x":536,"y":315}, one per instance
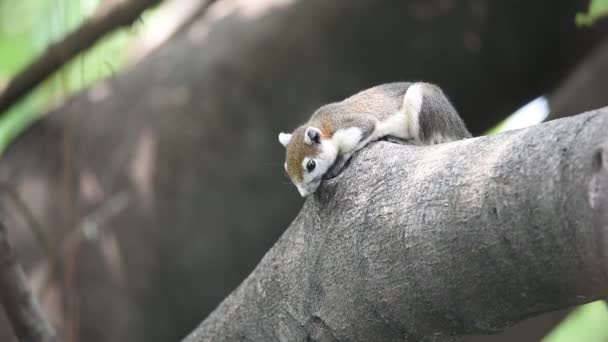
{"x":410,"y":111}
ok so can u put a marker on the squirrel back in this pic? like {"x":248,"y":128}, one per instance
{"x":381,"y":102}
{"x":412,"y":111}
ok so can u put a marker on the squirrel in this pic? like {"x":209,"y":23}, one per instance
{"x":402,"y":111}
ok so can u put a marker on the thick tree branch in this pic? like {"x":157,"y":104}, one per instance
{"x":598,"y":189}
{"x":59,"y":53}
{"x":27,"y":319}
{"x":414,"y":243}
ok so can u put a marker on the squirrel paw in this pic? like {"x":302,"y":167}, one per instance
{"x":336,"y":168}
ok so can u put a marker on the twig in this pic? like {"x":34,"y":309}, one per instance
{"x":32,"y":223}
{"x":59,"y":53}
{"x":194,"y":16}
{"x":89,"y":228}
{"x":91,"y":223}
{"x":27,"y":319}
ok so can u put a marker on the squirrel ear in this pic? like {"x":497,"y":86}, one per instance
{"x":284,"y":138}
{"x":312,"y":135}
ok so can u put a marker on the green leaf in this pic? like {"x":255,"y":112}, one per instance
{"x":597,"y":9}
{"x":27,"y":27}
{"x":587,"y":323}
{"x":19,"y":117}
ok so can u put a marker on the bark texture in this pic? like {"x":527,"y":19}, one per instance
{"x":426,"y":243}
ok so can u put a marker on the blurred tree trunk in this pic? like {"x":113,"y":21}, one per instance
{"x":190,"y":135}
{"x":584,"y":88}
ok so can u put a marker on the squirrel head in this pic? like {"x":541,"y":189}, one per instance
{"x":312,"y":149}
{"x":309,"y":155}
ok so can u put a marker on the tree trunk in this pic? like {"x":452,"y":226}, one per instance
{"x":585,"y":88}
{"x":425,"y":243}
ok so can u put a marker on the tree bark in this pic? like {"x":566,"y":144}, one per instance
{"x":425,"y":243}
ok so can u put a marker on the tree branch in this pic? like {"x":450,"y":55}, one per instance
{"x":583,"y":89}
{"x":426,"y":243}
{"x":33,"y":224}
{"x":21,"y":306}
{"x":59,"y":53}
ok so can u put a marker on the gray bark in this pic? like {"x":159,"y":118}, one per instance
{"x":422,"y":243}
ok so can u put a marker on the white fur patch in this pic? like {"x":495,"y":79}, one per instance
{"x":347,"y":139}
{"x":437,"y":138}
{"x":412,"y":104}
{"x":325,"y":159}
{"x":284,"y":138}
{"x":395,"y":125}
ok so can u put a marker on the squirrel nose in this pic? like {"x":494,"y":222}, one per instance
{"x":303,"y":191}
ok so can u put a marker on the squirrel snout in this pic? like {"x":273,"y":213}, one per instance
{"x":303,"y":191}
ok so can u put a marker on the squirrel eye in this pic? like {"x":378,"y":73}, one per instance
{"x":311,"y":165}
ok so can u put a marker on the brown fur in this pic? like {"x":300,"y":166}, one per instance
{"x":296,"y":151}
{"x":380,"y":101}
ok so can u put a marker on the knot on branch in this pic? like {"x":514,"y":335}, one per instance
{"x":318,"y":331}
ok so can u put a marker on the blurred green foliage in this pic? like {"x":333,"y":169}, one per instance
{"x":26,"y":29}
{"x":587,"y":323}
{"x":597,"y":9}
